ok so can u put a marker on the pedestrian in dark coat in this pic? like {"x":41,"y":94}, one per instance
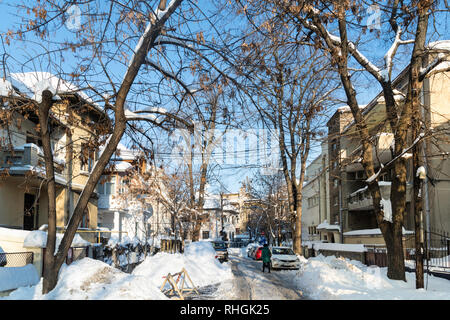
{"x":265,"y":256}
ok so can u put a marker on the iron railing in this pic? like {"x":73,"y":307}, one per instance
{"x":437,"y":250}
{"x":16,"y":259}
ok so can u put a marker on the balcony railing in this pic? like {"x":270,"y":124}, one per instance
{"x":108,"y":201}
{"x":382,"y":153}
{"x":361,"y":199}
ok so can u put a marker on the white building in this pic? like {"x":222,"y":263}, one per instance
{"x":120,"y":213}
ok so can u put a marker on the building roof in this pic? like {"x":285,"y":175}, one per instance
{"x":32,"y":84}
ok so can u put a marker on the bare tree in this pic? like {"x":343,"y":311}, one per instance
{"x":167,"y":51}
{"x":318,"y":18}
{"x":293,"y":85}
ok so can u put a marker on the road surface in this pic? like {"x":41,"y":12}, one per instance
{"x":250,"y":283}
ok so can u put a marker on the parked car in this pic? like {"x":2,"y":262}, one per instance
{"x":221,"y":250}
{"x":257,"y":253}
{"x":2,"y":258}
{"x":284,"y":258}
{"x":251,"y":248}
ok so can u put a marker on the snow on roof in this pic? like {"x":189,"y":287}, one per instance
{"x":33,"y":84}
{"x":122,"y":165}
{"x":340,"y":247}
{"x":376,"y":231}
{"x":326,"y":225}
{"x":38,"y":239}
{"x":347,"y":108}
{"x":439,"y":45}
{"x":16,"y":235}
{"x":6,"y":88}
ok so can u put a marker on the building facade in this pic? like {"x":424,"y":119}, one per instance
{"x":350,"y":218}
{"x":74,"y":124}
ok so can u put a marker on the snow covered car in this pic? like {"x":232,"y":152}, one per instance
{"x":251,"y":248}
{"x":284,"y":258}
{"x":221,"y":250}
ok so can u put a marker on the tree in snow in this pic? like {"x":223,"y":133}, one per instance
{"x":290,"y":85}
{"x":139,"y":59}
{"x":330,"y":26}
{"x":271,"y":193}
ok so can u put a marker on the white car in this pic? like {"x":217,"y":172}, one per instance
{"x":251,"y":247}
{"x":284,"y":258}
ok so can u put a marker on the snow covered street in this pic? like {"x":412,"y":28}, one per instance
{"x":253,"y":284}
{"x":240,"y":278}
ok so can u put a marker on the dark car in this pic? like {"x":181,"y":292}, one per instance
{"x":2,"y":258}
{"x":221,"y":250}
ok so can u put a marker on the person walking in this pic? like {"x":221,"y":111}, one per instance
{"x":265,"y":256}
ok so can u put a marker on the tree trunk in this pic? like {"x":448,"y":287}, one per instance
{"x":50,"y":273}
{"x":413,"y":103}
{"x":395,"y":255}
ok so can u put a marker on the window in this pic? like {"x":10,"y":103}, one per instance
{"x":33,"y":138}
{"x":313,"y":201}
{"x":106,"y":185}
{"x":335,"y":164}
{"x":385,"y":177}
{"x":205,"y":234}
{"x":312,"y":230}
{"x":85,"y":220}
{"x":336,"y":183}
{"x":87,"y":158}
{"x":359,"y":175}
{"x":124,"y":183}
{"x":334,"y":146}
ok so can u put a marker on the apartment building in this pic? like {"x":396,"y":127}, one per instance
{"x":315,"y":201}
{"x":75,"y":121}
{"x":350,"y":214}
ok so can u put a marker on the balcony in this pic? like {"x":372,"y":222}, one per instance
{"x":361,"y":199}
{"x":111,"y":202}
{"x":26,"y":158}
{"x":382,"y":153}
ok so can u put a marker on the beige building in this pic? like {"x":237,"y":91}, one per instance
{"x":350,"y":202}
{"x":75,"y":124}
{"x":224,"y":217}
{"x":315,"y":198}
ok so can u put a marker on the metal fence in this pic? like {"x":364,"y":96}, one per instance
{"x":76,"y":253}
{"x":375,"y":256}
{"x":16,"y":259}
{"x":437,"y":250}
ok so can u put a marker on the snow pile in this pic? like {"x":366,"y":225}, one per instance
{"x":38,"y":239}
{"x":95,"y":280}
{"x":198,"y":260}
{"x":339,"y":278}
{"x":89,"y":279}
{"x":15,"y":277}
